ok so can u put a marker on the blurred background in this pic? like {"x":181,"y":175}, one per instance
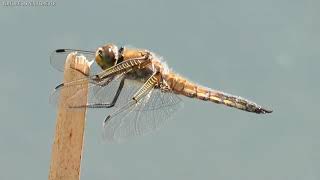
{"x":265,"y":50}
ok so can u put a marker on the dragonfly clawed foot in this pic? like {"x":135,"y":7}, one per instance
{"x":106,"y":120}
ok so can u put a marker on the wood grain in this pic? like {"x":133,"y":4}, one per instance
{"x":69,"y":134}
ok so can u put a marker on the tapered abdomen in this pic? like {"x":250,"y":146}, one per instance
{"x":184,"y":87}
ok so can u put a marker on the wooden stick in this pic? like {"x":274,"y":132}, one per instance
{"x":68,"y":140}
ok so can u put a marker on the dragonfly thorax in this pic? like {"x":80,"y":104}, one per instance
{"x":107,"y":56}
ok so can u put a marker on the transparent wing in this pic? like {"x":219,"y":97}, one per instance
{"x":59,"y":56}
{"x":101,"y":92}
{"x":148,"y":115}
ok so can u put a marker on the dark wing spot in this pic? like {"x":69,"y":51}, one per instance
{"x":60,"y":50}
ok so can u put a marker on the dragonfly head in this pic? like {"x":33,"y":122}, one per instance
{"x":107,"y":56}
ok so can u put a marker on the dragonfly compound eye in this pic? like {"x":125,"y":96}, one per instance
{"x":110,"y":54}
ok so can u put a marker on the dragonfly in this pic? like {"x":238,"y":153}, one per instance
{"x":139,"y":88}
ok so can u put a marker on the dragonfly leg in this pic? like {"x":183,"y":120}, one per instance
{"x":105,"y":105}
{"x":142,"y":92}
{"x":93,"y":79}
{"x":125,"y":66}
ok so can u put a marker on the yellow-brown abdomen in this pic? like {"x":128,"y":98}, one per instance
{"x":184,"y":87}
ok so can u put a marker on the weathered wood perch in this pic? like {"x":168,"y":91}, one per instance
{"x":68,"y":140}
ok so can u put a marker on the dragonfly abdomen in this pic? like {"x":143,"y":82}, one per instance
{"x":184,"y":87}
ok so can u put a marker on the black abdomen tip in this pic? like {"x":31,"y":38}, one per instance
{"x":263,"y":111}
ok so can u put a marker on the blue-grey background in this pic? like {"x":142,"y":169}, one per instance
{"x":265,"y":50}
